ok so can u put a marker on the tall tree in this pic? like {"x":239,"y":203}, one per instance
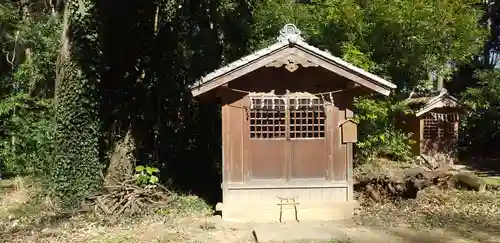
{"x":77,"y":169}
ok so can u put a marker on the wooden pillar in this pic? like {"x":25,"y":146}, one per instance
{"x":349,"y":115}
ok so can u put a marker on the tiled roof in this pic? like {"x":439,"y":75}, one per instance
{"x":290,"y":35}
{"x":422,"y":103}
{"x":240,"y":62}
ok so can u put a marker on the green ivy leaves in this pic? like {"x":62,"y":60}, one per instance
{"x":77,"y":169}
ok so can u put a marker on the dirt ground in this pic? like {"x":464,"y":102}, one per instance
{"x":435,"y":216}
{"x":198,"y":230}
{"x":208,"y":230}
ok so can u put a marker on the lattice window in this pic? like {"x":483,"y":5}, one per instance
{"x":440,"y":125}
{"x":448,"y":129}
{"x":307,"y":118}
{"x":431,"y":128}
{"x":267,"y":118}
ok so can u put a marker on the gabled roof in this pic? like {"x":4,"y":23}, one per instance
{"x":289,"y":39}
{"x":424,"y":104}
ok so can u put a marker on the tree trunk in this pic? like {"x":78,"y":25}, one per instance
{"x":63,"y":52}
{"x":122,"y":161}
{"x":411,"y":181}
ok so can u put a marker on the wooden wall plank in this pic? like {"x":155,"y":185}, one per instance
{"x":232,"y":142}
{"x":339,"y":169}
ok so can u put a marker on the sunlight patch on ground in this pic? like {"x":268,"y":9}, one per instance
{"x":492,"y":180}
{"x":13,"y":194}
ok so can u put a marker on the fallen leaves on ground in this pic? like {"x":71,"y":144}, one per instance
{"x":467,"y":213}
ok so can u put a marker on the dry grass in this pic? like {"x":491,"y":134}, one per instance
{"x":26,"y":218}
{"x":470,"y":214}
{"x":492,"y":180}
{"x":381,"y":167}
{"x":438,"y":208}
{"x":13,"y":194}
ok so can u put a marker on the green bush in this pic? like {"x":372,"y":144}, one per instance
{"x":378,"y":135}
{"x":26,"y":145}
{"x":145,"y":175}
{"x":481,"y":128}
{"x":26,"y":87}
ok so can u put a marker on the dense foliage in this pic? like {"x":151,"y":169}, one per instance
{"x":70,"y":90}
{"x":403,"y":41}
{"x":29,"y":45}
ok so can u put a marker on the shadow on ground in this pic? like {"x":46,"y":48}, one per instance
{"x":483,"y":166}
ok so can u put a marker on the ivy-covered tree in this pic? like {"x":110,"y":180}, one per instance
{"x":77,"y":169}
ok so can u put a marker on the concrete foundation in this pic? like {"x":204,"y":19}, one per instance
{"x":275,"y":213}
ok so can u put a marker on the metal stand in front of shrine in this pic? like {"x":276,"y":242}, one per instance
{"x":288,"y":201}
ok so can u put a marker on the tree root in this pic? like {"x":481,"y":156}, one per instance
{"x":126,"y":198}
{"x":406,"y":185}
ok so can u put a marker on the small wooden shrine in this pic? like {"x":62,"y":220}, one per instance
{"x":287,"y":131}
{"x":434,"y":124}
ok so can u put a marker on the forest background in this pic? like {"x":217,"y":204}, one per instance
{"x":81,"y":78}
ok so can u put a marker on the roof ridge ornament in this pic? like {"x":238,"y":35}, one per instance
{"x":290,"y":33}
